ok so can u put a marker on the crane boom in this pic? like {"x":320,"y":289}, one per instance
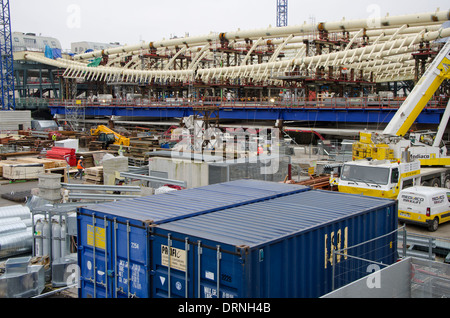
{"x":436,"y":73}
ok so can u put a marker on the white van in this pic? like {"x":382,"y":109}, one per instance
{"x":429,"y":206}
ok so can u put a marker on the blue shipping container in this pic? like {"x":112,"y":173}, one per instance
{"x":280,"y":248}
{"x":120,"y":263}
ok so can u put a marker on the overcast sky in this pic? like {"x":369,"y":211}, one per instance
{"x":130,"y":21}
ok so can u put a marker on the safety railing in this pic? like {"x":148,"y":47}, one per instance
{"x":275,"y":102}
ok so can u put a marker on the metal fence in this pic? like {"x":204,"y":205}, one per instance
{"x":425,"y":275}
{"x":373,"y":255}
{"x":409,"y":278}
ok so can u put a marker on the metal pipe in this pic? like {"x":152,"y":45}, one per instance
{"x":12,"y":243}
{"x":275,"y":32}
{"x":93,"y":196}
{"x":260,"y":71}
{"x":128,"y":259}
{"x":186,"y":248}
{"x":94,"y":267}
{"x":219,"y":257}
{"x":15,"y":211}
{"x":199,"y":258}
{"x":115,"y":257}
{"x":106,"y":256}
{"x":92,"y":187}
{"x":169,"y":246}
{"x":152,"y":179}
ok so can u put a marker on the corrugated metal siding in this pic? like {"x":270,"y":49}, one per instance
{"x":289,"y":241}
{"x":262,"y":222}
{"x":125,"y":250}
{"x":10,"y":120}
{"x":178,"y":204}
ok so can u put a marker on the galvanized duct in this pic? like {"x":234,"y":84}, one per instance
{"x":7,"y":229}
{"x":16,"y":243}
{"x":15,"y":211}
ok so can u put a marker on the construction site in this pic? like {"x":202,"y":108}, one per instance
{"x":216,"y":166}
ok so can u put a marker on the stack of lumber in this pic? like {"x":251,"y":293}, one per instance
{"x":95,"y":145}
{"x":48,"y":163}
{"x":138,"y":148}
{"x":5,"y":162}
{"x":28,"y":167}
{"x":94,"y":175}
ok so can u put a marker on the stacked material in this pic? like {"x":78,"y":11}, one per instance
{"x":22,"y":171}
{"x":16,"y":166}
{"x":60,"y":153}
{"x":4,"y":163}
{"x":48,"y":163}
{"x":15,"y":230}
{"x":111,"y":166}
{"x":94,"y":175}
{"x":141,"y":145}
{"x":91,"y":158}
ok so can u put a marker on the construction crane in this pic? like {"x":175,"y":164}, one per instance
{"x":8,"y":100}
{"x":388,"y":162}
{"x":282,"y":13}
{"x":423,"y":145}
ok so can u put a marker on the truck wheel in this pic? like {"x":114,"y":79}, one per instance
{"x":434,"y":225}
{"x":436,"y":183}
{"x":447,"y":182}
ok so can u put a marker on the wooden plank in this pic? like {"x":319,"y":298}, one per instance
{"x":18,"y":154}
{"x":48,"y":164}
{"x":94,"y":171}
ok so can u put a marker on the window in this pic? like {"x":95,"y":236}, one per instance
{"x":29,"y":41}
{"x":378,"y":175}
{"x":16,"y":39}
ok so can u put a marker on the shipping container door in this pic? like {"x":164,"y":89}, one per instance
{"x":94,"y":257}
{"x":187,"y":267}
{"x":129,"y":263}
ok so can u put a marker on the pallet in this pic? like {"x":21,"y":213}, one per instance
{"x":94,"y":171}
{"x":94,"y":175}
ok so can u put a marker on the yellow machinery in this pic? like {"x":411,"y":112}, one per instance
{"x":385,"y":163}
{"x":391,"y":143}
{"x":108,"y":136}
{"x":366,"y":148}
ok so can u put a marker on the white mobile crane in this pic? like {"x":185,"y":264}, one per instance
{"x":385,"y":163}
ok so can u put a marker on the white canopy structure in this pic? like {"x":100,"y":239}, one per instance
{"x":381,"y":50}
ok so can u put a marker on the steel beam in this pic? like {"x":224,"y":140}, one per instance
{"x":153,"y":179}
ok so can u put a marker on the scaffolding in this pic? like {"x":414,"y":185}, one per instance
{"x":282,"y":13}
{"x":6,"y":52}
